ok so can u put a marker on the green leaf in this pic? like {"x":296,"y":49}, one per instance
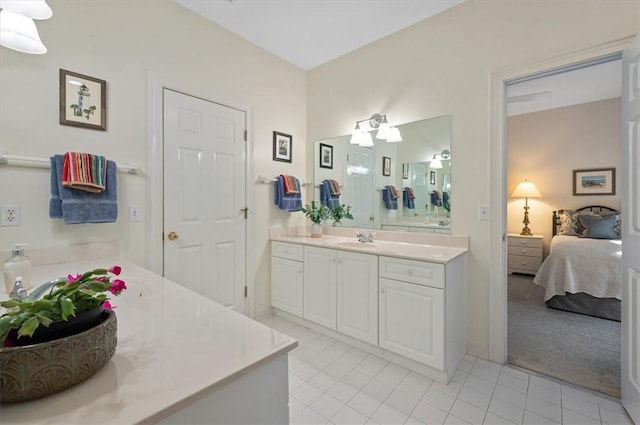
{"x":44,"y":320}
{"x":10,"y":303}
{"x":29,"y":327}
{"x":68,"y":309}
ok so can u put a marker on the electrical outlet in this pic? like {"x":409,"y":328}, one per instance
{"x":10,"y":215}
{"x":134,"y":213}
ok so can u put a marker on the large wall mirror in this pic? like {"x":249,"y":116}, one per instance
{"x":419,"y":165}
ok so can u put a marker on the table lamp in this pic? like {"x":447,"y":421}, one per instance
{"x":526,"y":190}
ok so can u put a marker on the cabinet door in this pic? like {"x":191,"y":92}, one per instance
{"x":320,"y":286}
{"x":286,"y":285}
{"x":357,"y":285}
{"x":412,"y":321}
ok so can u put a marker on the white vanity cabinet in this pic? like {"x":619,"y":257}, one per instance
{"x":421,"y":317}
{"x":287,"y":274}
{"x":341,"y":291}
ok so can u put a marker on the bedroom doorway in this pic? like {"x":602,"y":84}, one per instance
{"x":549,"y":133}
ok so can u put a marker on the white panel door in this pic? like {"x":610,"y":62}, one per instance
{"x":286,"y":285}
{"x":631,"y":231}
{"x":204,"y":192}
{"x":412,"y":321}
{"x":357,"y":301}
{"x":320,"y":286}
{"x":359,"y":185}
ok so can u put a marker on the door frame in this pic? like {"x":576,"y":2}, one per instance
{"x":498,"y":181}
{"x":155,"y":102}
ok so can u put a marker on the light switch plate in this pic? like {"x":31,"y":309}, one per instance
{"x":134,"y":213}
{"x":483,"y":212}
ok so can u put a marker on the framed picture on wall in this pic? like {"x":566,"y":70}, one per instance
{"x":282,"y":146}
{"x":597,"y":181}
{"x":83,"y":101}
{"x":386,"y":166}
{"x":326,"y":156}
{"x":432,"y":177}
{"x":405,"y":171}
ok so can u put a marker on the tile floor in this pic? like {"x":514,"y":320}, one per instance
{"x":333,"y":383}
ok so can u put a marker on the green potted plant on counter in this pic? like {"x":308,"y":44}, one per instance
{"x":316,"y":213}
{"x":340,"y":212}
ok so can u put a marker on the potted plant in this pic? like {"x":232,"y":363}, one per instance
{"x":340,"y":212}
{"x":316,"y":213}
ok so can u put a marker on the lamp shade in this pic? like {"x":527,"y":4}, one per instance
{"x":366,"y":139}
{"x":34,"y":9}
{"x":394,"y":135}
{"x":19,"y":32}
{"x":526,"y":189}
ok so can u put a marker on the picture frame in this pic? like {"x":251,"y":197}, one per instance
{"x":405,"y":170}
{"x":326,"y":156}
{"x":386,"y":166}
{"x":595,"y":181}
{"x":83,"y":101}
{"x":282,"y":146}
{"x":432,"y":177}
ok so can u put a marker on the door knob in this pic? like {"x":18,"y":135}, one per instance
{"x":172,"y":236}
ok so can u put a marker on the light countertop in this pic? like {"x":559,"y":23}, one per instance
{"x":411,"y":251}
{"x":173,"y":346}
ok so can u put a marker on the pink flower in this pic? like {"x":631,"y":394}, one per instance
{"x":100,"y":279}
{"x":117,"y":286}
{"x":71,"y":279}
{"x":107,"y":305}
{"x":115,"y":270}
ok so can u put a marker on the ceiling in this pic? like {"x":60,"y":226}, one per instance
{"x":308,"y":33}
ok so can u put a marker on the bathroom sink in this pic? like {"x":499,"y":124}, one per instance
{"x":356,"y":245}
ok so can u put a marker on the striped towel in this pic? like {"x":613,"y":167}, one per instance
{"x":335,"y":188}
{"x":395,"y":193}
{"x":408,"y":198}
{"x":84,"y":171}
{"x":291,"y":184}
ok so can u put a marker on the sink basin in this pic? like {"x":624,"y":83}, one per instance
{"x":356,"y":245}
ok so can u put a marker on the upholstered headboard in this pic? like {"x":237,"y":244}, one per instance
{"x":598,"y":209}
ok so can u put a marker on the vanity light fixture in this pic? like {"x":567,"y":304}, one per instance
{"x":362,"y":137}
{"x":436,"y":162}
{"x":17,"y":29}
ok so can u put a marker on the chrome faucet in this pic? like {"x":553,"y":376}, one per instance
{"x":362,"y":238}
{"x":18,"y":292}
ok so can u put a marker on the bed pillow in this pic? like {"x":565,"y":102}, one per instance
{"x":567,"y":223}
{"x":599,"y":228}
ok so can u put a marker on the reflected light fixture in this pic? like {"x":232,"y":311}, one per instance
{"x":362,"y":137}
{"x":526,"y":190}
{"x":436,"y":162}
{"x":17,"y":29}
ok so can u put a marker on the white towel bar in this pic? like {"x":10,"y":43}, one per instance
{"x":45,"y":162}
{"x":263,"y":179}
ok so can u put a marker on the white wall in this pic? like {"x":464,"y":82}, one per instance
{"x":545,"y":147}
{"x":443,"y":66}
{"x":121,"y":42}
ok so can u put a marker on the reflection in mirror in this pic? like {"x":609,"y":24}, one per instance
{"x":359,"y":172}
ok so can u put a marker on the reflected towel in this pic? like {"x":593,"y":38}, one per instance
{"x":408,"y":198}
{"x":78,"y":206}
{"x":327,"y":198}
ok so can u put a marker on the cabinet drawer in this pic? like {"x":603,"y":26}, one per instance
{"x":524,"y":263}
{"x":525,"y":251}
{"x":420,"y":272}
{"x":525,"y":241}
{"x":287,"y":250}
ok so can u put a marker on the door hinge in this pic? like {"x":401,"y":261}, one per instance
{"x":246,"y":291}
{"x":245,"y":135}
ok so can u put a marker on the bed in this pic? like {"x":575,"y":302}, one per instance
{"x":582,"y":273}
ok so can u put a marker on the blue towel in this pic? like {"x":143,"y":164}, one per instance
{"x":407,"y":200}
{"x":326,"y":195}
{"x":284,"y":201}
{"x":435,"y":199}
{"x":78,"y":206}
{"x":387,"y":197}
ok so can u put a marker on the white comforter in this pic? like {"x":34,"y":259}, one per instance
{"x":581,"y":265}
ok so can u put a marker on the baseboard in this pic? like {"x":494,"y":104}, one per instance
{"x":263,"y":314}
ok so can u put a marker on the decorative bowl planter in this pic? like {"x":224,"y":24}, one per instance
{"x":38,"y":370}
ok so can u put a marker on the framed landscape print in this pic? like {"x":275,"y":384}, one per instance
{"x":326,"y":156}
{"x":83,"y":101}
{"x":597,"y":181}
{"x":282,"y":146}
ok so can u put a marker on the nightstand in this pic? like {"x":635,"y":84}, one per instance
{"x":524,"y":253}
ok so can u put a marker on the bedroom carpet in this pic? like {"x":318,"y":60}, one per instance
{"x":575,"y":348}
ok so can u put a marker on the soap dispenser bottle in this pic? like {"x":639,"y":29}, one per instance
{"x":17,"y":265}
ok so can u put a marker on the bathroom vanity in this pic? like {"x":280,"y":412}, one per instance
{"x":181,"y":358}
{"x":401,"y":300}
